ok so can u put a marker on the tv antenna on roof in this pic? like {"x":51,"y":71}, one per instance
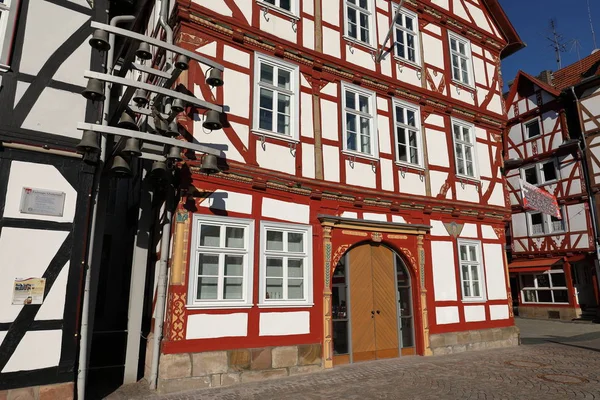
{"x":591,"y":24}
{"x":557,"y":42}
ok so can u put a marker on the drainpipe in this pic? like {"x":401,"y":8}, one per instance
{"x":161,"y":289}
{"x":588,"y":183}
{"x":85,"y":312}
{"x":164,"y":22}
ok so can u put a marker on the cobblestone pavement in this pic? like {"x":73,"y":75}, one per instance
{"x":541,"y":370}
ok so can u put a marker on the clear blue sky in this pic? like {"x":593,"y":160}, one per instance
{"x":531,"y":19}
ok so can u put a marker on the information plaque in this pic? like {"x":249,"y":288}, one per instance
{"x":42,"y":202}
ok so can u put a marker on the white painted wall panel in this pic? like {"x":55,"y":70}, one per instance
{"x":228,"y":201}
{"x":235,"y":56}
{"x":387,"y":174}
{"x":467,"y":193}
{"x":80,"y":59}
{"x":330,"y":89}
{"x":383,"y":128}
{"x":276,"y":157}
{"x":438,"y":179}
{"x":210,"y":326}
{"x":242,"y":131}
{"x":360,"y":174}
{"x":488,"y":232}
{"x":375,"y":217}
{"x":494,"y":271}
{"x":37,"y":350}
{"x":444,"y":274}
{"x":308,"y":6}
{"x":18,"y":261}
{"x":446,"y":315}
{"x":308,"y":34}
{"x":331,"y":12}
{"x":278,"y":26}
{"x":331,"y":40}
{"x":398,"y":219}
{"x":349,"y":214}
{"x":499,"y":312}
{"x":37,"y":176}
{"x":216,"y":138}
{"x":285,"y":211}
{"x":478,"y":17}
{"x":284,"y":323}
{"x":54,"y":302}
{"x":474,"y":313}
{"x":469,"y":231}
{"x":306,"y":115}
{"x":438,"y":228}
{"x":484,"y":164}
{"x":308,"y":160}
{"x":237,"y":92}
{"x":435,"y":51}
{"x":329,"y":120}
{"x":577,"y":217}
{"x":331,"y":164}
{"x":435,"y":119}
{"x":437,"y":150}
{"x":411,"y":183}
{"x":208,"y":49}
{"x":519,"y":225}
{"x":497,"y":198}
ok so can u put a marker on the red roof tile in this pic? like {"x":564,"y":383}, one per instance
{"x":576,"y":72}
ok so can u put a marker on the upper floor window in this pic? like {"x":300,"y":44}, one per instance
{"x":8,"y":13}
{"x":286,"y":265}
{"x":221,"y":266}
{"x":359,"y":20}
{"x":408,"y":134}
{"x":407,"y":36}
{"x":358,"y":117}
{"x":464,"y":149}
{"x":541,"y":173}
{"x":460,"y":55}
{"x":544,"y":224}
{"x":532,"y":128}
{"x":288,"y":6}
{"x":471,"y":270}
{"x":276,"y":88}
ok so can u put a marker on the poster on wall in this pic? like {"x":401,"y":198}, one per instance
{"x":42,"y":202}
{"x":28,"y":291}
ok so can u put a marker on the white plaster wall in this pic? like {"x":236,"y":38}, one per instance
{"x":242,"y":131}
{"x":446,"y":315}
{"x":331,"y":165}
{"x":19,"y":261}
{"x":577,"y":217}
{"x":383,"y":127}
{"x":285,"y":211}
{"x":411,"y":183}
{"x":306,"y":115}
{"x":37,"y":176}
{"x":467,"y":193}
{"x":519,"y":225}
{"x":235,"y":56}
{"x":308,"y":34}
{"x":217,"y":6}
{"x":216,"y":138}
{"x":54,"y":302}
{"x":409,"y":75}
{"x":398,"y":219}
{"x":458,"y":93}
{"x":494,"y":271}
{"x":78,"y":61}
{"x":360,"y":174}
{"x":349,"y":214}
{"x":444,"y":275}
{"x":331,"y":41}
{"x":330,"y":89}
{"x":329,"y":120}
{"x":469,"y":231}
{"x":331,"y":12}
{"x":484,"y":161}
{"x":37,"y":350}
{"x":438,"y":228}
{"x":435,"y":119}
{"x":499,"y":312}
{"x":308,"y":6}
{"x":435,"y":51}
{"x":478,"y":17}
{"x":583,"y":243}
{"x":280,"y":27}
{"x":237,"y":92}
{"x":358,"y":56}
{"x":208,"y":49}
{"x":474,"y":313}
{"x":497,"y":197}
{"x":488,"y":232}
{"x":387,"y":174}
{"x":375,"y":217}
{"x":246,"y":7}
{"x":228,"y":201}
{"x":495,"y":104}
{"x":284,"y":323}
{"x":308,"y":160}
{"x":438,"y":179}
{"x":437,"y":149}
{"x":276,"y":157}
{"x":210,"y":326}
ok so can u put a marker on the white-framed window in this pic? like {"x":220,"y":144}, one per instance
{"x":358,"y":118}
{"x":471,"y":270}
{"x":8,"y":12}
{"x":221,"y":266}
{"x":407,"y":133}
{"x":286,"y":264}
{"x":532,"y":128}
{"x":290,"y":7}
{"x":460,"y":56}
{"x":276,"y":97}
{"x":544,"y":224}
{"x":406,"y":31}
{"x":540,"y":173}
{"x":360,"y":24}
{"x":545,"y":287}
{"x":465,"y":154}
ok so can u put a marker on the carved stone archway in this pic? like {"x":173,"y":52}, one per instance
{"x":339,"y":234}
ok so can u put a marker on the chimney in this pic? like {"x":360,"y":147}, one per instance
{"x":546,"y":77}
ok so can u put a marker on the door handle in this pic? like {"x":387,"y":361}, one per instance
{"x":378,"y":312}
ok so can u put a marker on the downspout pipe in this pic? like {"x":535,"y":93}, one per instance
{"x":161,"y":289}
{"x":164,"y":22}
{"x":85,"y":338}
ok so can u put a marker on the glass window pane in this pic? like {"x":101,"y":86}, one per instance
{"x":284,"y":79}
{"x":531,"y":176}
{"x":544,"y":296}
{"x":351,"y":122}
{"x":475,"y":272}
{"x":234,"y":237}
{"x":530,"y":296}
{"x":365,"y":144}
{"x":363,"y":102}
{"x":466,"y":273}
{"x":476,"y":289}
{"x":234,"y":265}
{"x":558,"y":280}
{"x":408,"y":24}
{"x":543,"y":281}
{"x":561,"y":296}
{"x":549,"y":171}
{"x":266,"y":73}
{"x":466,"y":134}
{"x":461,"y":48}
{"x":470,"y":170}
{"x":405,"y":302}
{"x":410,"y":118}
{"x":365,"y":126}
{"x":453,"y":44}
{"x":456,"y":130}
{"x":285,"y":4}
{"x":296,"y":242}
{"x":407,"y":332}
{"x":274,"y":266}
{"x":283,"y":124}
{"x":351,"y":141}
{"x":473,"y":253}
{"x":275,"y":240}
{"x":283,"y":104}
{"x":537,"y":219}
{"x":412,"y":138}
{"x":414,"y":155}
{"x":527,"y":281}
{"x":233,"y":288}
{"x":265,"y":120}
{"x":208,"y":264}
{"x":207,"y":289}
{"x":295,"y":268}
{"x":210,"y":235}
{"x":340,"y":337}
{"x":466,"y":289}
{"x":295,"y":289}
{"x":463,"y":253}
{"x":400,"y":115}
{"x":274,"y":288}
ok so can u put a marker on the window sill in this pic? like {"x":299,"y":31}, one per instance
{"x":408,"y":166}
{"x":408,"y":63}
{"x":356,"y":154}
{"x":464,"y":86}
{"x":215,"y":306}
{"x":531,"y":139}
{"x":4,"y":68}
{"x":355,"y":42}
{"x":547,"y":234}
{"x":469,"y":180}
{"x":278,"y":10}
{"x":285,"y":305}
{"x":474,"y":301}
{"x":277,"y":136}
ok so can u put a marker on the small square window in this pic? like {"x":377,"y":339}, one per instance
{"x":532,"y":129}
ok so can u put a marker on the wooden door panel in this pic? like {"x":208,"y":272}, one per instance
{"x":361,"y":304}
{"x":384,"y":301}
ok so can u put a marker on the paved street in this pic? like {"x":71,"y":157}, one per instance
{"x":556,"y":361}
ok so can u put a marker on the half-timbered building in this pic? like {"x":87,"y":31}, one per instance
{"x":359,"y":209}
{"x":554,"y":260}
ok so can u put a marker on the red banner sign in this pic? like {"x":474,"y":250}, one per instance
{"x":535,"y":198}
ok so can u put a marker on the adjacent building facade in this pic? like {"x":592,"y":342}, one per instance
{"x":549,"y":139}
{"x":359,"y":212}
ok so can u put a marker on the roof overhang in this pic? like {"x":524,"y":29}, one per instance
{"x":514,"y":42}
{"x":535,"y":264}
